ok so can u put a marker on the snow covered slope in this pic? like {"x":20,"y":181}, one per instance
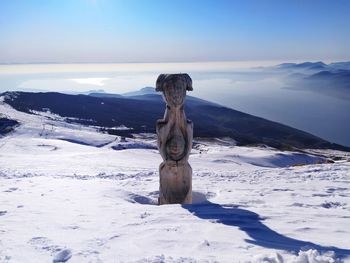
{"x":70,"y":193}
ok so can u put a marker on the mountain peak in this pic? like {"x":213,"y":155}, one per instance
{"x":143,"y":91}
{"x":303,"y":65}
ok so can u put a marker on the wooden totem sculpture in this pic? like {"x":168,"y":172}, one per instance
{"x":175,"y":134}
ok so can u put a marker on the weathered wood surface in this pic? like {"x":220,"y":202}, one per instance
{"x":175,"y":134}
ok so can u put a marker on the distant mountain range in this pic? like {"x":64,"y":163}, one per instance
{"x":143,"y":91}
{"x":138,"y":112}
{"x":305,"y":65}
{"x":315,"y":66}
{"x":330,"y":79}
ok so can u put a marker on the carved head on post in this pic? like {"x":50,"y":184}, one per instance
{"x":174,"y":87}
{"x":175,"y":134}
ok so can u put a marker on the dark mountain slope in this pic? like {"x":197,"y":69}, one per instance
{"x":140,"y":113}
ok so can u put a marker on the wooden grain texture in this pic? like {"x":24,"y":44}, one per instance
{"x":175,"y":134}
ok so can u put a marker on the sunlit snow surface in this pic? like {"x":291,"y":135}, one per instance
{"x":69,"y":193}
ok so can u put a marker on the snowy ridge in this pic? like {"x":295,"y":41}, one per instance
{"x":70,"y":193}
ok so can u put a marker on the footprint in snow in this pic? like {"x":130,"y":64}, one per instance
{"x":43,"y":243}
{"x":62,"y":256}
{"x":144,"y":215}
{"x":12,"y":189}
{"x":3,"y":213}
{"x":328,"y":205}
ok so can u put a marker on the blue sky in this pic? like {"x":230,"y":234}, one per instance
{"x":172,"y":31}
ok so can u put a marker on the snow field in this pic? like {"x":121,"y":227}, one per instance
{"x":69,"y":193}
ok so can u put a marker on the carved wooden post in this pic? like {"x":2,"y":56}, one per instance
{"x":175,"y":134}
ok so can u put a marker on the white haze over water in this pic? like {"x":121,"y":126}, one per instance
{"x":244,"y":86}
{"x":113,"y":78}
